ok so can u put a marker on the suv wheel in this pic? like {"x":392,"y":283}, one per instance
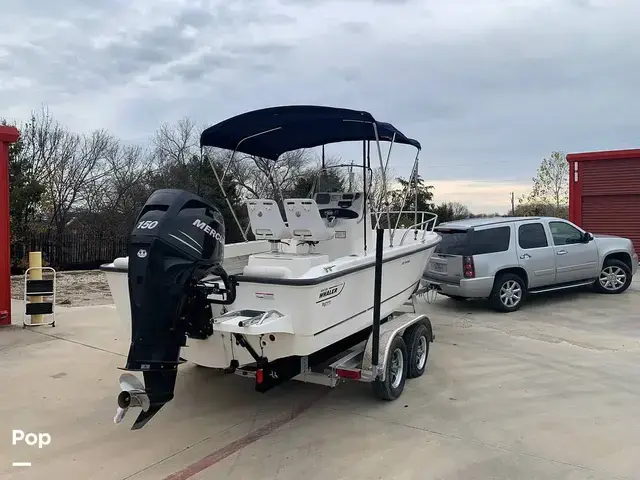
{"x":509,"y":291}
{"x":615,"y":277}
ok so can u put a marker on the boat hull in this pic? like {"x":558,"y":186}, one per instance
{"x":317,"y":311}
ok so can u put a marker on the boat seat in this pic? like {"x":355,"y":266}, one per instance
{"x":266,"y":220}
{"x":305,"y":221}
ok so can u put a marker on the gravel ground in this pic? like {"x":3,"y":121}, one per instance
{"x":74,"y":289}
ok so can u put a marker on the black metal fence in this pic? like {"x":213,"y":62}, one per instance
{"x":70,"y":251}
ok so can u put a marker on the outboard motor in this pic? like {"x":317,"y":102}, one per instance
{"x":178,"y":239}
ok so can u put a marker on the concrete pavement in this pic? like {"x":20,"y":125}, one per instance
{"x":547,"y":392}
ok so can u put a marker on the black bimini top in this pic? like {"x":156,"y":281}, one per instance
{"x":270,"y":132}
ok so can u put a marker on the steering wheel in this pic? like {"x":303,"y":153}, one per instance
{"x":338,"y":213}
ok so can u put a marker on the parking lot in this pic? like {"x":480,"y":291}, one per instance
{"x":550,"y":391}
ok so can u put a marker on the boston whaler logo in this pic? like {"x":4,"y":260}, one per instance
{"x":207,"y":229}
{"x":330,"y":292}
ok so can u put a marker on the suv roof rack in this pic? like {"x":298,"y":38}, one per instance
{"x":477,"y":222}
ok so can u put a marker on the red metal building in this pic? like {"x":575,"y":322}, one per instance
{"x":604,"y":192}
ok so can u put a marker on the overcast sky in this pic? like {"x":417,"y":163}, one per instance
{"x":488,"y":87}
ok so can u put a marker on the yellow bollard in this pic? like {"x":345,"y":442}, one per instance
{"x":35,"y":262}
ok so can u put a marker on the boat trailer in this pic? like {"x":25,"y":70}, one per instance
{"x":395,"y":349}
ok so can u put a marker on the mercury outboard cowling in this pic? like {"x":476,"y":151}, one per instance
{"x":177,"y":240}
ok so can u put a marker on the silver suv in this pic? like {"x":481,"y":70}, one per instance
{"x":505,"y":259}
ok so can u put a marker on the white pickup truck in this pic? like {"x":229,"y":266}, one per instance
{"x":505,"y":259}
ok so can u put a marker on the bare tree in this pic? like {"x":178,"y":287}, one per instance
{"x":76,"y":159}
{"x":264,"y":178}
{"x":257,"y":177}
{"x":115,"y":197}
{"x":375,"y":191}
{"x":177,"y":156}
{"x":176,"y":143}
{"x":61,"y":162}
{"x":43,"y":139}
{"x":459,"y":210}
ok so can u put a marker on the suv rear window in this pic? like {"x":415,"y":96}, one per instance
{"x":454,"y":242}
{"x":491,"y":240}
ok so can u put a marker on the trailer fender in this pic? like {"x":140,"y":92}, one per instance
{"x":427,"y":324}
{"x":388,"y":332}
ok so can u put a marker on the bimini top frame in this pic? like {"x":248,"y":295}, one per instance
{"x":270,"y":132}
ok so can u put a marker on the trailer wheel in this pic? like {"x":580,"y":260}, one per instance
{"x":418,"y":347}
{"x":395,"y":372}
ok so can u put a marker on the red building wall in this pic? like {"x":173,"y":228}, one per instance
{"x":604,"y":192}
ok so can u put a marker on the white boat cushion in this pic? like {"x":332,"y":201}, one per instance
{"x":267,"y":271}
{"x":266,"y":220}
{"x":305,"y":221}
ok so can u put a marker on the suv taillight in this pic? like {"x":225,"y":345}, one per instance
{"x":469,"y":267}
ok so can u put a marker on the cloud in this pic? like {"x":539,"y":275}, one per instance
{"x":488,"y":88}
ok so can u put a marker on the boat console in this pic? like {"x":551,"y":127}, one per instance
{"x":334,"y":206}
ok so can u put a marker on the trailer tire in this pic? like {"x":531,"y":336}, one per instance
{"x":395,"y":371}
{"x":417,"y":340}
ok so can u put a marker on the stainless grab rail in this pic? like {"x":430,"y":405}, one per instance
{"x":425,"y":226}
{"x":433,"y":215}
{"x":415,"y":229}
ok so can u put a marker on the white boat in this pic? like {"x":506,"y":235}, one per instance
{"x":302,"y":289}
